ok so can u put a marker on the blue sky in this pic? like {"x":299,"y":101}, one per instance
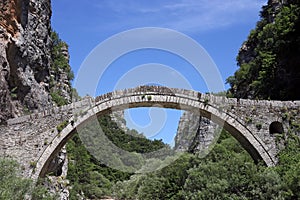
{"x":220,"y":26}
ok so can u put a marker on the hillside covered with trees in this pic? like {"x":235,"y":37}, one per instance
{"x":269,"y":62}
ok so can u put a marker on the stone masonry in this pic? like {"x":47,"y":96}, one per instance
{"x":34,"y":140}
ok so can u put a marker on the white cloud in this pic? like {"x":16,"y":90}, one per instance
{"x":181,"y":15}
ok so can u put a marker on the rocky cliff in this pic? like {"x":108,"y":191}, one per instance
{"x":269,"y":59}
{"x":119,"y":118}
{"x":25,"y":57}
{"x":34,"y":69}
{"x":247,"y":51}
{"x":194,"y":133}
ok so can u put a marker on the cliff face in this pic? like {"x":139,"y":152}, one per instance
{"x":30,"y":75}
{"x":269,"y":59}
{"x":119,"y":118}
{"x":247,"y":51}
{"x":194,"y":133}
{"x":25,"y":57}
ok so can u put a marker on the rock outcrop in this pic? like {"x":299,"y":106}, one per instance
{"x":29,"y":74}
{"x":25,"y":57}
{"x":56,"y":182}
{"x":195,"y":133}
{"x":119,"y":118}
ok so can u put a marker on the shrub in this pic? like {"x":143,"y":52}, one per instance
{"x":61,"y":126}
{"x":58,"y":99}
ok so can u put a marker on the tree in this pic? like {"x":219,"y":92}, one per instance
{"x":269,"y":61}
{"x":13,"y":186}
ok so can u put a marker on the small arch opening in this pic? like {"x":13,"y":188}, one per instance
{"x":276,"y":127}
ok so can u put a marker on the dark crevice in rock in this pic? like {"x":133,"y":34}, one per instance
{"x":24,"y":15}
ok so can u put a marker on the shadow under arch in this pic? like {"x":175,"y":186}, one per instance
{"x":120,"y":100}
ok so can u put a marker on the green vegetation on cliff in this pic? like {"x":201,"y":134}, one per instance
{"x":269,"y":60}
{"x":61,"y":73}
{"x":13,"y":186}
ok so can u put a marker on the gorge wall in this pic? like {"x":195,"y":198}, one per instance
{"x":269,"y":59}
{"x":194,"y":133}
{"x":25,"y":57}
{"x":29,"y":72}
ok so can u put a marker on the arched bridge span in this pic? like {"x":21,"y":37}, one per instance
{"x":248,"y":121}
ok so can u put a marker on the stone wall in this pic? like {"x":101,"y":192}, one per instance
{"x":50,"y":111}
{"x":26,"y":137}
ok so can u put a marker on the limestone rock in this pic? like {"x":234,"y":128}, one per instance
{"x":119,"y":118}
{"x":25,"y":58}
{"x":57,"y":184}
{"x":194,"y":133}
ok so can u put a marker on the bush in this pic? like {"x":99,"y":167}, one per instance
{"x":12,"y":186}
{"x":58,"y":99}
{"x":61,"y":126}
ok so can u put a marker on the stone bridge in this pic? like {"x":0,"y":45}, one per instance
{"x":34,"y":140}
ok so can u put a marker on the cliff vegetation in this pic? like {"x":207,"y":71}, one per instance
{"x":269,"y":59}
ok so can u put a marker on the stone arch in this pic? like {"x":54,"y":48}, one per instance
{"x":276,"y":127}
{"x":179,"y":100}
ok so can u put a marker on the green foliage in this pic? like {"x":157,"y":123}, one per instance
{"x":152,"y":188}
{"x":269,"y":67}
{"x":130,"y":141}
{"x":61,"y":126}
{"x":59,"y":65}
{"x":90,"y":176}
{"x":58,"y":99}
{"x":86,"y":174}
{"x":228,"y":172}
{"x":12,"y":186}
